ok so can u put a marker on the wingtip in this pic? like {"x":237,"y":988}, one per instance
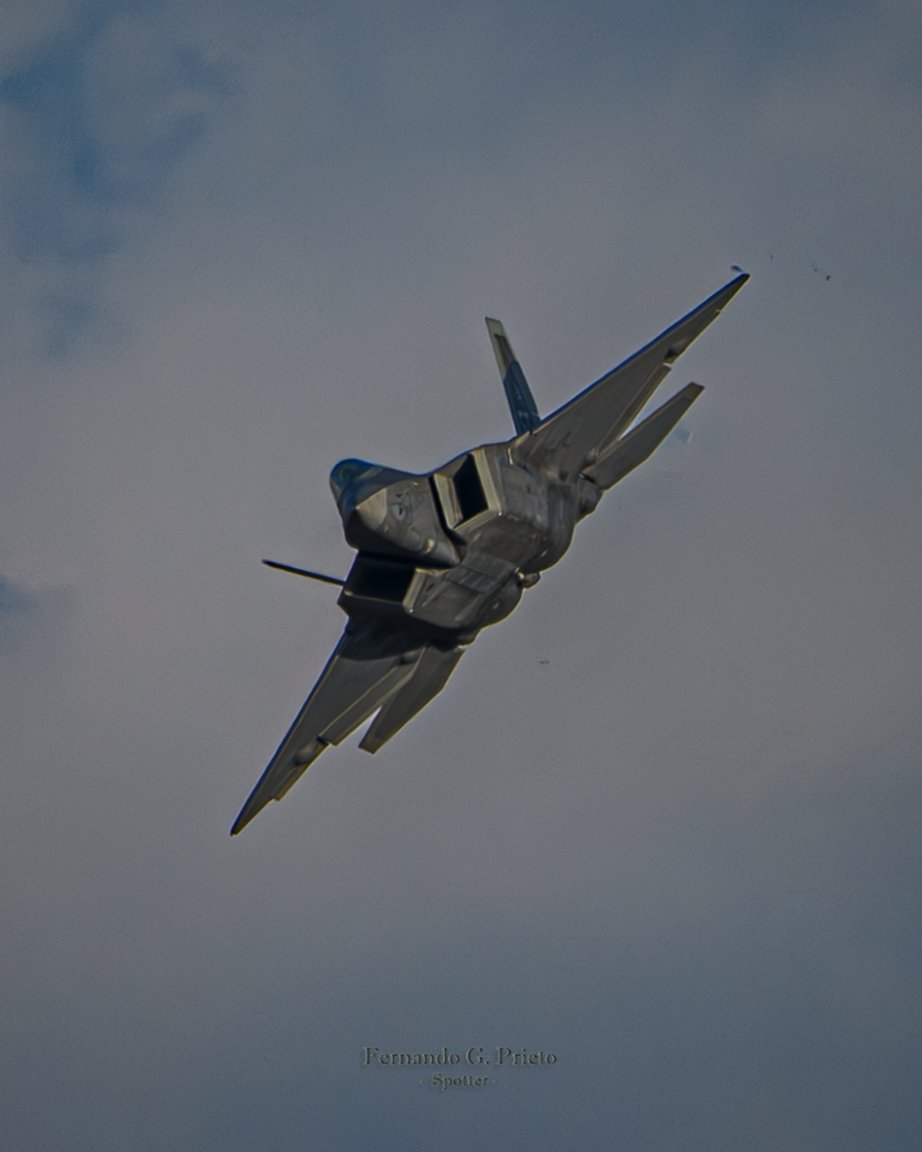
{"x":247,"y":813}
{"x":238,"y":826}
{"x":724,"y":295}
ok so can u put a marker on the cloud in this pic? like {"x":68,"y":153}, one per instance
{"x":29,"y":618}
{"x":18,"y":609}
{"x":99,"y":118}
{"x":24,"y":25}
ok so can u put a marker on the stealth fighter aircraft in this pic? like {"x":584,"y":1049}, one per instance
{"x":442,"y":555}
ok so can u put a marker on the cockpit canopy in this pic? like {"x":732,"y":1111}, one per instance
{"x":354,"y":480}
{"x":346,"y":472}
{"x":390,"y":513}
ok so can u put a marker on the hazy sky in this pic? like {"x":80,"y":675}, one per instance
{"x":664,"y":820}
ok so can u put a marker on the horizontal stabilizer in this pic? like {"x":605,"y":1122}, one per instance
{"x":625,"y":454}
{"x":518,"y":394}
{"x":429,"y":678}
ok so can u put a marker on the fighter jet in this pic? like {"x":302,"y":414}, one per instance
{"x":443,"y":554}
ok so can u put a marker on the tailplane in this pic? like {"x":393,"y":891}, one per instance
{"x":632,"y":449}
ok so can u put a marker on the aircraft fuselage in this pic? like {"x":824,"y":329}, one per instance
{"x":442,"y":555}
{"x":450,"y":552}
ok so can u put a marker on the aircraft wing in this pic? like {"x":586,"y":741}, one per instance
{"x":585,"y":427}
{"x":371,"y":670}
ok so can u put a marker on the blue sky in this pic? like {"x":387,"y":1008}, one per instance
{"x":662,"y":821}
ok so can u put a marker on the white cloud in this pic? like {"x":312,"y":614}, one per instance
{"x":25,"y":25}
{"x":97,"y":120}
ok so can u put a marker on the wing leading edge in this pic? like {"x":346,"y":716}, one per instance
{"x":368,"y":672}
{"x":585,"y":428}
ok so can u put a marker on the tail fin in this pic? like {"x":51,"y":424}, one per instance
{"x":521,"y":402}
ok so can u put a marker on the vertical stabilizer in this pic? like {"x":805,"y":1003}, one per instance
{"x":521,"y":402}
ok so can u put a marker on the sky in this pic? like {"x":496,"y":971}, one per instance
{"x":662,"y":823}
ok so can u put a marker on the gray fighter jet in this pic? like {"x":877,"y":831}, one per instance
{"x":442,"y":555}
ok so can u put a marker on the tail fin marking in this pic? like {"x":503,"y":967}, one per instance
{"x":518,"y":394}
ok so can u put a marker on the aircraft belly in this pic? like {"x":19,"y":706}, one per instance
{"x":444,"y":604}
{"x":481,"y":589}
